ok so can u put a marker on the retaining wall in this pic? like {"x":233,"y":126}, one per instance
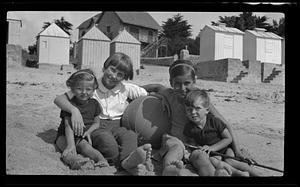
{"x":13,"y":55}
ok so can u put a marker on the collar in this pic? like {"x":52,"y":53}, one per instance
{"x":103,"y":89}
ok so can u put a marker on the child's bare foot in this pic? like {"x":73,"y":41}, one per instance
{"x":74,"y":161}
{"x":139,"y":156}
{"x":174,"y":169}
{"x":239,"y":173}
{"x":221,"y":172}
{"x":140,"y":169}
{"x":101,"y":164}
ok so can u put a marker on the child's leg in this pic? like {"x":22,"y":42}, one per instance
{"x":61,"y":143}
{"x":172,"y":151}
{"x":221,"y":165}
{"x":105,"y":143}
{"x":87,"y":150}
{"x":200,"y":160}
{"x":132,"y":156}
{"x":240,"y":165}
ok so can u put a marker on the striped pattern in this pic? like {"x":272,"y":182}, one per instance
{"x":225,"y":29}
{"x":54,"y":30}
{"x":95,"y":34}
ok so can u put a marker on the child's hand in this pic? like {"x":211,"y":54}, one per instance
{"x":87,"y":134}
{"x":69,"y":150}
{"x":77,"y":122}
{"x":206,"y":149}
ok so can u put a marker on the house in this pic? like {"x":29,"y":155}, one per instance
{"x":263,"y":46}
{"x":219,"y":42}
{"x":13,"y":26}
{"x":139,"y":24}
{"x":53,"y":45}
{"x":13,"y":39}
{"x":129,"y":45}
{"x":93,"y":49}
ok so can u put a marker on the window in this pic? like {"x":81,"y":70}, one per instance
{"x":45,"y":44}
{"x":134,"y":32}
{"x":108,"y":29}
{"x":150,"y":36}
{"x":83,"y":32}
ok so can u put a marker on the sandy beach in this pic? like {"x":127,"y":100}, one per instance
{"x":256,"y":112}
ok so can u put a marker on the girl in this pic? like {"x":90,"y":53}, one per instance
{"x":82,"y":84}
{"x":211,"y":134}
{"x":182,"y":79}
{"x":116,"y":143}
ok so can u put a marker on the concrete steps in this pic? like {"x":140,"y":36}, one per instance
{"x":272,"y":76}
{"x":239,"y":77}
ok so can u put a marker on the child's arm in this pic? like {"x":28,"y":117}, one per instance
{"x":93,"y":127}
{"x":153,"y":87}
{"x":224,"y":142}
{"x":69,"y":138}
{"x":235,"y":144}
{"x":76,"y":119}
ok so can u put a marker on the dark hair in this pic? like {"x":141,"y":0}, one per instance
{"x":193,"y":94}
{"x":83,"y":74}
{"x":122,"y":62}
{"x":182,"y":67}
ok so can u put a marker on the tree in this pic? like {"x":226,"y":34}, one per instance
{"x":32,"y":49}
{"x":248,"y":21}
{"x":177,"y":31}
{"x":62,"y":23}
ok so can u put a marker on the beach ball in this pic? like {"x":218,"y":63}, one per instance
{"x":146,"y":117}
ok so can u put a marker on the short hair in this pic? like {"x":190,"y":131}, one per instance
{"x":122,"y":62}
{"x":182,"y":67}
{"x":195,"y":93}
{"x":80,"y":75}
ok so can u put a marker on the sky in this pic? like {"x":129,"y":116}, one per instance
{"x":32,"y":21}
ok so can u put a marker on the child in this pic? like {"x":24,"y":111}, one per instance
{"x":116,"y":143}
{"x":182,"y":79}
{"x":210,"y":133}
{"x":82,"y":84}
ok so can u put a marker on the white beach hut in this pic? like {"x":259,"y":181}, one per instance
{"x":93,"y":49}
{"x":53,"y":46}
{"x":128,"y":45}
{"x":14,"y":25}
{"x":219,"y":42}
{"x":262,"y":46}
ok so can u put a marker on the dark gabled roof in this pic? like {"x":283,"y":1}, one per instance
{"x":87,"y":22}
{"x":142,"y":19}
{"x":138,"y":18}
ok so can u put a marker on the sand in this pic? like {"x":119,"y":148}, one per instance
{"x":256,"y":112}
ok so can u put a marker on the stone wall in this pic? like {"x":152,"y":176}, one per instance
{"x":162,"y":61}
{"x":254,"y":72}
{"x":267,"y":69}
{"x":212,"y":70}
{"x":13,"y":55}
{"x":235,"y":66}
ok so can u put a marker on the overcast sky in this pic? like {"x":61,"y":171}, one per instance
{"x":32,"y":21}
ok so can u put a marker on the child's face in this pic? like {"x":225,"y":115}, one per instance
{"x":112,"y":76}
{"x":182,"y":84}
{"x":83,"y":90}
{"x":197,"y":112}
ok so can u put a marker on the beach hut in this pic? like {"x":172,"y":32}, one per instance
{"x":53,"y":45}
{"x":128,"y":45}
{"x":14,"y":25}
{"x":262,"y":46}
{"x":219,"y":42}
{"x":93,"y":49}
